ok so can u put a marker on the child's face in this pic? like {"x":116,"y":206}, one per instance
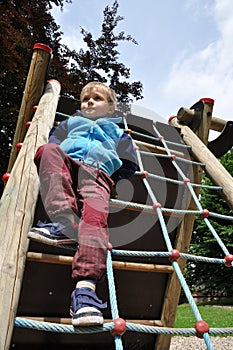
{"x":94,"y":104}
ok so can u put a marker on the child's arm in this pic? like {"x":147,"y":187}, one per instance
{"x":58,"y":133}
{"x":128,"y":156}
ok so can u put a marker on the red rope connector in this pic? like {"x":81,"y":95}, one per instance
{"x":110,"y":247}
{"x":229,"y":260}
{"x":175,"y":255}
{"x":207,"y":100}
{"x":156,"y":205}
{"x":201,"y":328}
{"x":186,"y":180}
{"x":43,"y":47}
{"x":128,"y":131}
{"x":170,"y":118}
{"x":205,"y":213}
{"x":28,"y":125}
{"x":35,"y":108}
{"x":19,"y":146}
{"x":173,"y":157}
{"x":144,"y":174}
{"x":119,"y":327}
{"x":5,"y":177}
{"x":161,"y":138}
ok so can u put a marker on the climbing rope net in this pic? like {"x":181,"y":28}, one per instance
{"x":118,"y":326}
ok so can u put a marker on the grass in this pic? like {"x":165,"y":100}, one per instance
{"x":217,"y":316}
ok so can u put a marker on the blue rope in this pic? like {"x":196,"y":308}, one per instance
{"x":130,"y":326}
{"x":150,"y":208}
{"x":168,"y":242}
{"x":59,"y":114}
{"x":154,"y":138}
{"x":113,"y":298}
{"x":178,"y":182}
{"x":111,"y":287}
{"x":216,"y":236}
{"x":183,"y":160}
{"x":153,"y":254}
{"x":191,"y":302}
{"x":60,"y":328}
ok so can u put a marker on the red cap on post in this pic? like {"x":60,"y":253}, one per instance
{"x":207,"y":100}
{"x":43,"y":47}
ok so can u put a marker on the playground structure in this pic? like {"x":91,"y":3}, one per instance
{"x":146,"y":263}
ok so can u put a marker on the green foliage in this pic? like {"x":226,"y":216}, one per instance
{"x":212,"y":278}
{"x":24,"y":23}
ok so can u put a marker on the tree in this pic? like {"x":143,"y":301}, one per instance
{"x":24,"y":23}
{"x":100,"y":60}
{"x":205,"y":277}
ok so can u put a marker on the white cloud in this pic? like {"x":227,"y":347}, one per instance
{"x":71,"y":30}
{"x":208,"y":72}
{"x":73,"y":39}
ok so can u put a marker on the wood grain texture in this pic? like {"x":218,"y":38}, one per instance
{"x":33,"y":90}
{"x":17,"y":208}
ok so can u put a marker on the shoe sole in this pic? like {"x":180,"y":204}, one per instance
{"x":38,"y":237}
{"x":86,"y":321}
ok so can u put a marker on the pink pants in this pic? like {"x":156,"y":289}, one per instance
{"x":72,"y":187}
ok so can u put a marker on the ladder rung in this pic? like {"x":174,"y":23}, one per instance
{"x":118,"y":265}
{"x":68,"y":321}
{"x":157,"y":149}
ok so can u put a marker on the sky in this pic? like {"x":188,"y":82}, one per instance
{"x":184,"y":51}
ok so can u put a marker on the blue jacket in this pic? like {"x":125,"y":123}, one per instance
{"x":101,"y":141}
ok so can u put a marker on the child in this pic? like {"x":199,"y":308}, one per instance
{"x":85,"y":157}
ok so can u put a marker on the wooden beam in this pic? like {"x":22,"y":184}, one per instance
{"x":215,"y":170}
{"x":33,"y":90}
{"x":17,"y":211}
{"x":186,"y":115}
{"x":144,"y":146}
{"x":118,"y":265}
{"x":218,"y":124}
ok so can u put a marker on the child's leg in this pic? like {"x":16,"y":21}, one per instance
{"x":94,"y":190}
{"x":57,"y":173}
{"x":58,"y":176}
{"x":89,"y":262}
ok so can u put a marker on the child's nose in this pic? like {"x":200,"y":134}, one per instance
{"x":90,"y":101}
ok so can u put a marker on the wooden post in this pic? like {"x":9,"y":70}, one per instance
{"x":17,"y":208}
{"x":215,"y":170}
{"x":33,"y":90}
{"x":184,"y":233}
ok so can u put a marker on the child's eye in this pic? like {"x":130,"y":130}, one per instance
{"x":98,"y":98}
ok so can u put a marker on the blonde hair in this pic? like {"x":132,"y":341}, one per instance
{"x":104,"y":89}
